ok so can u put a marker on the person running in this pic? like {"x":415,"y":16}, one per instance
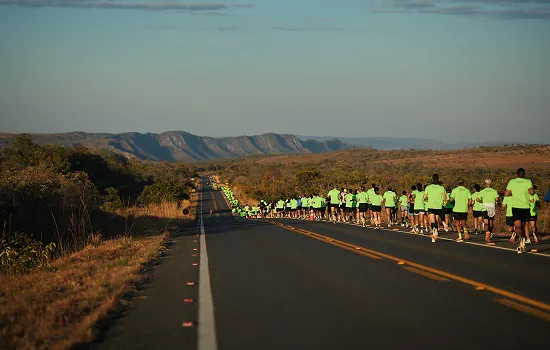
{"x":343,"y":195}
{"x":389,"y":203}
{"x":488,"y":198}
{"x":334,"y":196}
{"x":533,"y":206}
{"x":280,"y":208}
{"x":370,"y":192}
{"x":362,"y":199}
{"x":413,"y":217}
{"x":435,"y":196}
{"x":507,"y":203}
{"x":477,"y":210}
{"x":520,"y":189}
{"x":376,"y":206}
{"x":350,"y":206}
{"x":448,"y":210}
{"x":461,"y":197}
{"x":403,"y":208}
{"x":419,"y":210}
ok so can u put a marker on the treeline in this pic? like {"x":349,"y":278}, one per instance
{"x":57,"y":194}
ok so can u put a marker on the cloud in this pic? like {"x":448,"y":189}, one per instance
{"x":496,"y":9}
{"x":152,"y":6}
{"x":306,"y":29}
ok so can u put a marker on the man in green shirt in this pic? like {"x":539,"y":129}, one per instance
{"x":370,"y":192}
{"x":477,"y":210}
{"x":488,"y":198}
{"x":461,"y":197}
{"x":362,"y":198}
{"x":419,"y":210}
{"x":435,"y":196}
{"x":533,"y":207}
{"x":403,"y":203}
{"x":334,"y":196}
{"x":350,"y":206}
{"x":507,"y":203}
{"x":376,"y":207}
{"x":520,"y":189}
{"x":389,"y":203}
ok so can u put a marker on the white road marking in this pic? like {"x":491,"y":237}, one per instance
{"x":207,"y":325}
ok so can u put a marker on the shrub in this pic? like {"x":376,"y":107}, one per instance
{"x":21,"y":254}
{"x":111,"y":201}
{"x":166,"y":190}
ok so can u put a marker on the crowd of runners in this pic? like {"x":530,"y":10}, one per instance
{"x":424,"y":208}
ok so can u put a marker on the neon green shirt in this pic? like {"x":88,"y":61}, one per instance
{"x":507,"y":202}
{"x":520,"y":192}
{"x":461,"y":196}
{"x":280,"y":204}
{"x":435,"y":195}
{"x":449,"y":204}
{"x":323,"y":202}
{"x":362,"y":197}
{"x":488,"y":195}
{"x":350,"y":200}
{"x":389,"y":197}
{"x":370,"y":193}
{"x":376,"y":199}
{"x":293,"y":204}
{"x":477,"y":206}
{"x":334,"y":196}
{"x":403,"y":199}
{"x":418,"y":200}
{"x":533,"y":206}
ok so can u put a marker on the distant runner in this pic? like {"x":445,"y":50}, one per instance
{"x":389,"y":198}
{"x":488,"y":197}
{"x":362,"y":199}
{"x":461,"y":196}
{"x":533,"y":206}
{"x":334,"y":196}
{"x":376,"y":206}
{"x":435,"y":196}
{"x":477,"y":210}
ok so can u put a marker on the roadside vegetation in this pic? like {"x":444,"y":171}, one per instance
{"x":288,"y":176}
{"x":78,"y":227}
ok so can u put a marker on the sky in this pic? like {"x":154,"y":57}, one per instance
{"x":452,"y":70}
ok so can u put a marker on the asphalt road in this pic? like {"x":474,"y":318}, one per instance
{"x":290,"y":284}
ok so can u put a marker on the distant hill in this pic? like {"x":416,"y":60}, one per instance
{"x":183,"y":146}
{"x":390,"y":143}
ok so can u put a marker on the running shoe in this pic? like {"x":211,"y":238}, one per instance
{"x":459,"y":240}
{"x":528,"y":241}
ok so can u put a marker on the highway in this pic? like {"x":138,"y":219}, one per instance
{"x":292,"y":284}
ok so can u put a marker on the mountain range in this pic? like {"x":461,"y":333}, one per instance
{"x":183,"y":146}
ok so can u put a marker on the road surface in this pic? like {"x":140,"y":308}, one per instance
{"x":291,"y":284}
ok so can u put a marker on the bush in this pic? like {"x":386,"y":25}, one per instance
{"x":111,"y":201}
{"x":21,"y":254}
{"x":162,"y":191}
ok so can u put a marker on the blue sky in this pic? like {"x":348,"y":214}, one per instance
{"x":455,"y":70}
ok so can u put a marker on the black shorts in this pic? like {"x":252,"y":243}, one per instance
{"x":392,"y":209}
{"x":509,"y":221}
{"x":419,"y":211}
{"x":448,"y":211}
{"x":477,"y":213}
{"x":411,"y":210}
{"x":376,"y":208}
{"x":363,"y":207}
{"x":350,"y":209}
{"x":460,"y":216}
{"x":334,"y":205}
{"x":522,"y":215}
{"x":438,"y":212}
{"x":533,"y":218}
{"x":487,"y":217}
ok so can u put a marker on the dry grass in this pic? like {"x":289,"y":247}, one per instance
{"x":57,"y":307}
{"x":163,"y":211}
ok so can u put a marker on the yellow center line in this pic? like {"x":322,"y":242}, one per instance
{"x":426,"y":274}
{"x":523,"y":308}
{"x":475,"y":284}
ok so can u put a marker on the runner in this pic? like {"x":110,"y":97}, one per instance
{"x":520,"y":189}
{"x":533,"y":206}
{"x":419,"y":208}
{"x":389,"y":203}
{"x":448,"y":210}
{"x":350,"y":206}
{"x":334,"y":196}
{"x":413,"y":218}
{"x":488,"y":198}
{"x":293,"y":208}
{"x":370,"y":192}
{"x":507,"y":203}
{"x":477,"y":210}
{"x":362,"y":199}
{"x":403,"y":205}
{"x":435,"y":196}
{"x":461,"y":198}
{"x":376,"y":206}
{"x":280,"y":208}
{"x":343,"y":195}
